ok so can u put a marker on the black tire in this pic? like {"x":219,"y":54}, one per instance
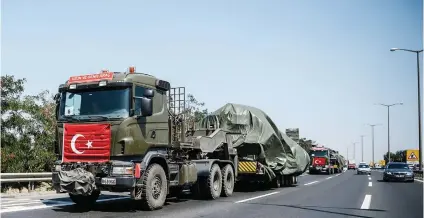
{"x":213,"y":186}
{"x":85,"y":201}
{"x":228,"y":181}
{"x":154,"y":188}
{"x":290,"y":181}
{"x":276,"y":182}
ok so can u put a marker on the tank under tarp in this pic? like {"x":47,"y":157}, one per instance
{"x":254,"y":133}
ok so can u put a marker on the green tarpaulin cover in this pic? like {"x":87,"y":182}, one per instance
{"x":259,"y":137}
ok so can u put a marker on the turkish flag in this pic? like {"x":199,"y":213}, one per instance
{"x":319,"y":161}
{"x":86,"y":142}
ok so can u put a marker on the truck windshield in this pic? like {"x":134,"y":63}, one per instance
{"x":319,"y":153}
{"x":89,"y":104}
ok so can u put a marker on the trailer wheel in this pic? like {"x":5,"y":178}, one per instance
{"x":227,"y":181}
{"x":213,"y":183}
{"x":154,"y":188}
{"x":85,"y":201}
{"x":276,"y":182}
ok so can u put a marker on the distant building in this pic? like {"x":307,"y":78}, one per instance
{"x":293,"y":133}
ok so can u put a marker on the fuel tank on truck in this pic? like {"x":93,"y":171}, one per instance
{"x":261,"y":138}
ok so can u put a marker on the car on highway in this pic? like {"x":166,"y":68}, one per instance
{"x":363,"y":168}
{"x":398,"y":171}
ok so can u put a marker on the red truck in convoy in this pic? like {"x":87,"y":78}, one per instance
{"x":325,"y":160}
{"x":351,"y":165}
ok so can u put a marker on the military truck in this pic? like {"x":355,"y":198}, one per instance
{"x":127,"y":132}
{"x":325,"y":160}
{"x":124,"y":132}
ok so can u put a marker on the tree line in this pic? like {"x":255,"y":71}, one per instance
{"x":398,"y":156}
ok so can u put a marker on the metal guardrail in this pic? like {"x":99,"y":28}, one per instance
{"x":418,"y":174}
{"x":25,"y":177}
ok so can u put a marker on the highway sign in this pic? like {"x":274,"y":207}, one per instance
{"x":412,"y":156}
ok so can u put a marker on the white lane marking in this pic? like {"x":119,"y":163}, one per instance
{"x":338,"y":174}
{"x":369,"y":178}
{"x":14,"y":201}
{"x":21,"y":208}
{"x":8,"y":204}
{"x":329,"y":177}
{"x":366,"y":203}
{"x":260,"y":196}
{"x":418,"y":180}
{"x":370,"y":184}
{"x":311,"y":183}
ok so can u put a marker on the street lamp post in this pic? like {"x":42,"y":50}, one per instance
{"x":419,"y":101}
{"x":354,"y":150}
{"x":362,"y":148}
{"x":372,"y":136}
{"x":388,"y":126}
{"x":347,"y":155}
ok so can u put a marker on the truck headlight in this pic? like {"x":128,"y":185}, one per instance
{"x":122,"y":170}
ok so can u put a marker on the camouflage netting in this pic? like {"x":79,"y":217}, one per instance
{"x":260,"y":138}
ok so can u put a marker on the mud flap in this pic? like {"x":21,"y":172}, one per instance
{"x":76,"y":182}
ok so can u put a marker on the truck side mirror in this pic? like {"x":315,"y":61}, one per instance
{"x":145,"y":105}
{"x":148,"y":93}
{"x":56,"y":97}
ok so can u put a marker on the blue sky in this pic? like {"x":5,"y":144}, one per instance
{"x":316,"y":65}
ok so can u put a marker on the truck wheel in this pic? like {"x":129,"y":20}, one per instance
{"x":227,"y":181}
{"x":154,"y":188}
{"x":85,"y":201}
{"x":213,"y":183}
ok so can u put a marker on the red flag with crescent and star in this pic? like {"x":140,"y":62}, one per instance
{"x":86,"y":142}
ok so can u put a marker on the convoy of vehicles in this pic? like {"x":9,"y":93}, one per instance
{"x":127,"y":132}
{"x":325,"y":160}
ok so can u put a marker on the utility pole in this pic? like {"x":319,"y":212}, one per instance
{"x":388,"y":126}
{"x":362,"y":148}
{"x":419,"y":102}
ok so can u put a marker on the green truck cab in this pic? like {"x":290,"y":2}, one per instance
{"x":124,"y":132}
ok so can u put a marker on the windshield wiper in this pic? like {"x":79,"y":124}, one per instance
{"x":98,"y":117}
{"x":70,"y":118}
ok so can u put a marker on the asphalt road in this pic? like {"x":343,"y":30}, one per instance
{"x":340,"y":195}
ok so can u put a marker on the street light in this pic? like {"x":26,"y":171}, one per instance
{"x":419,"y":100}
{"x":362,"y":148}
{"x":354,"y":150}
{"x":388,"y":125}
{"x":372,"y":136}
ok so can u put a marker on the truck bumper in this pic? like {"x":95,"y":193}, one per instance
{"x":81,"y":182}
